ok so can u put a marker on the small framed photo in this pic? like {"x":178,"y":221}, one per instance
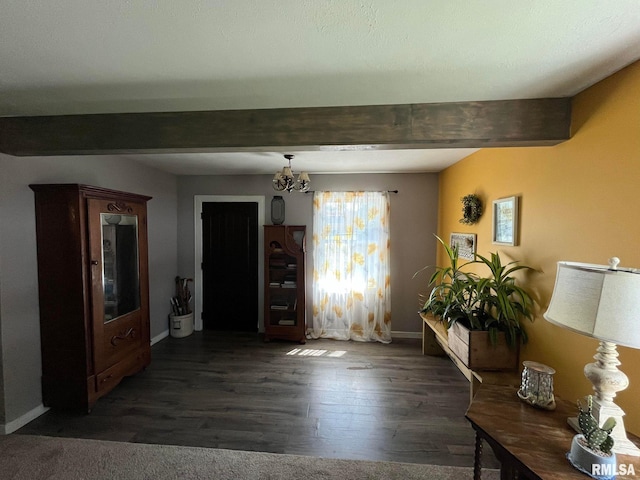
{"x":505,"y":221}
{"x":466,"y":243}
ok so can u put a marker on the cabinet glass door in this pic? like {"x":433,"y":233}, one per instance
{"x":120,"y":272}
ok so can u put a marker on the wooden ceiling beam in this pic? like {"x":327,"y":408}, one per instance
{"x":532,"y":122}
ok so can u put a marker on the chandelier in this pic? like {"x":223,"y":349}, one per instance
{"x":285,"y":180}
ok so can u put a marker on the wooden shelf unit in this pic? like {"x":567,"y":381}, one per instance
{"x":284,"y":282}
{"x":435,"y":341}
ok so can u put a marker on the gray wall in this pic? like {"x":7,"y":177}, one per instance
{"x":171,"y":244}
{"x":413,"y":222}
{"x":20,"y":367}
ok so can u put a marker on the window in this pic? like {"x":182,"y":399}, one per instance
{"x":351,"y":287}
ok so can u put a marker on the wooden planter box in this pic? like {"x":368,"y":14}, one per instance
{"x":475,"y":350}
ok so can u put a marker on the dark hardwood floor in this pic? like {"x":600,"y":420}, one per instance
{"x":326,"y":398}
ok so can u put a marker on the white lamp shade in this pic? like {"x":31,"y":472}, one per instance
{"x":597,"y":301}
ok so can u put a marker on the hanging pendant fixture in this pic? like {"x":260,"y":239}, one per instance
{"x":285,"y":179}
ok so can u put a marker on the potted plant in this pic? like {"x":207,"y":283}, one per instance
{"x":452,"y":297}
{"x":482,"y":314}
{"x":501,"y":303}
{"x":591,"y":450}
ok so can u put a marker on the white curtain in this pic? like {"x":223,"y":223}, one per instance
{"x":351,"y":274}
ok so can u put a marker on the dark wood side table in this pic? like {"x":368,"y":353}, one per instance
{"x":529,"y":443}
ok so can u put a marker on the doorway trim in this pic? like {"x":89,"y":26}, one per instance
{"x":197,"y":221}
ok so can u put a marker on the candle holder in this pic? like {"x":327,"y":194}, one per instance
{"x":536,"y":388}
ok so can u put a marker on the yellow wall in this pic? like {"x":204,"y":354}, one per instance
{"x":580,"y":201}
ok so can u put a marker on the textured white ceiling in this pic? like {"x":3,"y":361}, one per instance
{"x":90,"y":56}
{"x":376,"y":161}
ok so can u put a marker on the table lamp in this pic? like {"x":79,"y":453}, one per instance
{"x":604,"y":303}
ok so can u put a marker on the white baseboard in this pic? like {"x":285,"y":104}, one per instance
{"x":23,"y":420}
{"x":406,"y":334}
{"x":159,"y":337}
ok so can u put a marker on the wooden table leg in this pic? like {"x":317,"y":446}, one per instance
{"x":477,"y":459}
{"x":508,"y":471}
{"x":424,"y":337}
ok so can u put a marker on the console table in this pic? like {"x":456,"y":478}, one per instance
{"x":529,"y":443}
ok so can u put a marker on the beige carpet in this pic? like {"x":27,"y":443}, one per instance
{"x":28,"y":457}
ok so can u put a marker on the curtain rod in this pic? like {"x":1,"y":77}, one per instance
{"x":389,"y":191}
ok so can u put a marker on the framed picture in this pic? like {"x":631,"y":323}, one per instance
{"x":505,"y":221}
{"x":466,"y":243}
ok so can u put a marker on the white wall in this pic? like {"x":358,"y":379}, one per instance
{"x":413,"y":223}
{"x":20,"y":363}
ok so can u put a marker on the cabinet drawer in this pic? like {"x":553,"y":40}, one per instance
{"x":122,"y":337}
{"x":108,"y":379}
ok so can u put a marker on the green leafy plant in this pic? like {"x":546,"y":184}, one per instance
{"x":453,"y":292}
{"x":493,"y":303}
{"x":598,"y":438}
{"x":502,"y":303}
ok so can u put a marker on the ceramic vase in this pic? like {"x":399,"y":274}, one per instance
{"x":277,"y":210}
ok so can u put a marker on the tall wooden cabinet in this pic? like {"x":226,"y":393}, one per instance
{"x":93,"y":288}
{"x":284,"y":308}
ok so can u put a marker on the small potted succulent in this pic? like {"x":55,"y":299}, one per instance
{"x":591,"y":450}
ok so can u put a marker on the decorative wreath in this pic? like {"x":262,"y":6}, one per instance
{"x":471,"y":209}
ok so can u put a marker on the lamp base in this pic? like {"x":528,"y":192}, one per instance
{"x":607,"y":380}
{"x":621,"y":444}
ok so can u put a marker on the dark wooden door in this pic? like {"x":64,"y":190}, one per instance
{"x":230,"y":266}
